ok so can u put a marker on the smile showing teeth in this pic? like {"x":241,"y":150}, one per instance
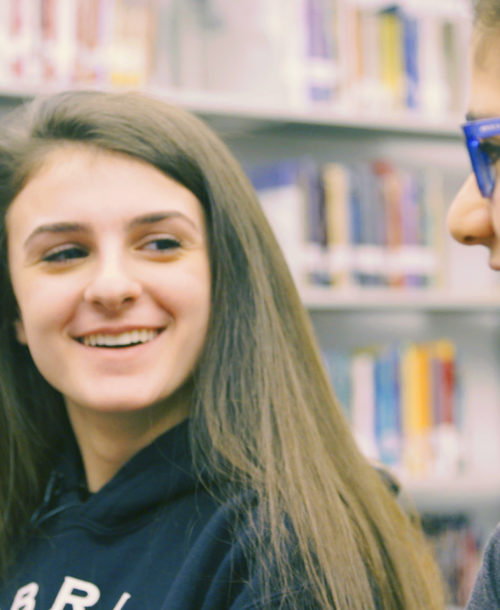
{"x":134,"y":337}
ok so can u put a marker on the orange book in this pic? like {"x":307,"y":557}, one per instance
{"x":391,"y":189}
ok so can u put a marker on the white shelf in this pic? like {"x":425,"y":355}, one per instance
{"x":313,"y":115}
{"x":237,"y":112}
{"x":461,"y":493}
{"x":366,"y":299}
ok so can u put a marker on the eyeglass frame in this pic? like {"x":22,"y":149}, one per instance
{"x":484,"y":170}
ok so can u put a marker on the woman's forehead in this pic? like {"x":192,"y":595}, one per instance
{"x":108,"y":188}
{"x":485,"y":50}
{"x":484,"y":97}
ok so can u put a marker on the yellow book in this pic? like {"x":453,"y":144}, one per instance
{"x":391,"y":55}
{"x":416,"y":411}
{"x":131,"y":43}
{"x":336,"y":188}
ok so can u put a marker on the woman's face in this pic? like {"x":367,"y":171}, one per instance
{"x":473,"y":219}
{"x":110,"y":268}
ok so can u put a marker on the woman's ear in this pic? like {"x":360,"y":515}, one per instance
{"x":20,"y":333}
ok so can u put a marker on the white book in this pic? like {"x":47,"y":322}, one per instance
{"x":59,"y":41}
{"x":22,"y":48}
{"x":363,"y":402}
{"x":434,"y":92}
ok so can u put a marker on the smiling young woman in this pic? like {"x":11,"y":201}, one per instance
{"x":168,"y":434}
{"x":110,"y":292}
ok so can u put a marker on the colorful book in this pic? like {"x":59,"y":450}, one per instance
{"x":336,"y":185}
{"x":392,"y":55}
{"x":58,"y":41}
{"x":416,"y":409}
{"x":317,"y":267}
{"x":130,"y":43}
{"x":92,"y":32}
{"x":338,"y":367}
{"x":22,"y":34}
{"x":321,"y":78}
{"x":284,"y":199}
{"x":370,"y":92}
{"x":411,"y":42}
{"x":390,"y":190}
{"x":363,"y":401}
{"x":434,"y":89}
{"x":388,"y":406}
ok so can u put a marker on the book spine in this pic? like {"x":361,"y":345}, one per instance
{"x":317,"y":270}
{"x":387,"y":410}
{"x":336,"y":184}
{"x":391,"y":55}
{"x":363,"y":402}
{"x":411,"y":41}
{"x":284,"y":200}
{"x":416,"y":410}
{"x":130,"y":51}
{"x":320,"y":61}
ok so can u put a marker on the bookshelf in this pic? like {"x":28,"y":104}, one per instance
{"x":280,"y":101}
{"x":324,"y":299}
{"x":234,"y":114}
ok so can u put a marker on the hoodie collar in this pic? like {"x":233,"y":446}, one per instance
{"x":154,"y":476}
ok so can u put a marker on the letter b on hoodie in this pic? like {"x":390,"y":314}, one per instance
{"x":66,"y":595}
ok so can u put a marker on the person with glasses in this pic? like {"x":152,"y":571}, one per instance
{"x":474,"y":215}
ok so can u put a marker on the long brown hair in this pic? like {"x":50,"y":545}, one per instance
{"x":264,"y":415}
{"x":486,"y":14}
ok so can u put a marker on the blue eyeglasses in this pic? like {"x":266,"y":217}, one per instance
{"x":483,"y":153}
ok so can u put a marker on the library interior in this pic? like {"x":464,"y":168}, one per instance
{"x":346,"y":116}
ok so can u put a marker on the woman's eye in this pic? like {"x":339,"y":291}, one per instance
{"x":162,"y":244}
{"x":64,"y":254}
{"x":492,"y":150}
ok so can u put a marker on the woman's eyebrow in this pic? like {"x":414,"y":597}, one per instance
{"x":57,"y":227}
{"x":74,"y":227}
{"x":154,"y":217}
{"x":471,"y":116}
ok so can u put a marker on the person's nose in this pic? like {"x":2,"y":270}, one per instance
{"x":469,"y":217}
{"x":112,"y":285}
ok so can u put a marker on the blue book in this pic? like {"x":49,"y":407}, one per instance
{"x":338,"y":367}
{"x":320,"y":49}
{"x":410,"y":58}
{"x":387,"y":406}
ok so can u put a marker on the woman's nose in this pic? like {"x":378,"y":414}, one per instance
{"x":112,"y":286}
{"x":469,"y":217}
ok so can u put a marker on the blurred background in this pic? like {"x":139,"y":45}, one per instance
{"x":346,"y":116}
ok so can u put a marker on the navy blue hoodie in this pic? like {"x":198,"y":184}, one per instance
{"x":151,"y":539}
{"x":486,"y":590}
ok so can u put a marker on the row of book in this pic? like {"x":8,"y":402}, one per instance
{"x":362,"y":224}
{"x":403,"y":55}
{"x":457,"y":545}
{"x":64,"y":42}
{"x":403,"y":402}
